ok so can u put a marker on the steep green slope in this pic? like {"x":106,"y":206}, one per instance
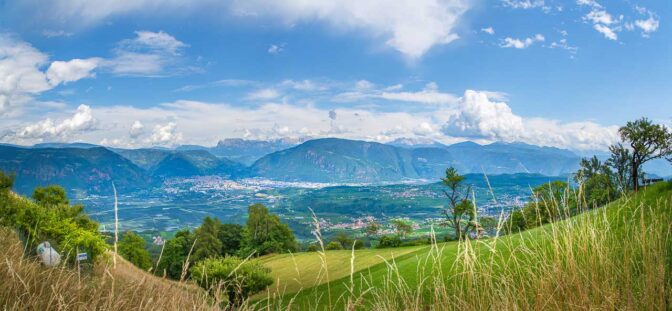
{"x":81,"y":169}
{"x":332,"y":160}
{"x":615,"y":257}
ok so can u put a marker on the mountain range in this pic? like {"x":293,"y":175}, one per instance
{"x":339,"y":160}
{"x":91,"y":168}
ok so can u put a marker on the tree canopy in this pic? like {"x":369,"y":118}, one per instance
{"x":647,"y":141}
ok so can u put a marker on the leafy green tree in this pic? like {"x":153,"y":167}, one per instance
{"x":232,"y":277}
{"x":620,"y":161}
{"x":175,"y":254}
{"x":402,"y":227}
{"x":132,"y":247}
{"x":207,"y":239}
{"x":264,"y":233}
{"x":231,"y":236}
{"x":53,"y":195}
{"x":596,"y":180}
{"x":460,"y":208}
{"x":647,"y":141}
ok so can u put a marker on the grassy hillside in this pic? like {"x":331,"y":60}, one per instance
{"x":295,"y":272}
{"x":615,"y":257}
{"x":27,"y":285}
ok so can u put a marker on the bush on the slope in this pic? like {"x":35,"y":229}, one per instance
{"x":231,"y":277}
{"x":132,"y":247}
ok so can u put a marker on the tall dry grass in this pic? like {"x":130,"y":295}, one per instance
{"x":615,"y":258}
{"x":27,"y":285}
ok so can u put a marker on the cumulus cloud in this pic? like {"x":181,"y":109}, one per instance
{"x":479,"y":117}
{"x":81,"y":121}
{"x":73,"y":70}
{"x":165,"y":134}
{"x":21,"y":76}
{"x":509,"y":42}
{"x":137,"y":129}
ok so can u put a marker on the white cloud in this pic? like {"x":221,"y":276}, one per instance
{"x":509,"y":42}
{"x":477,"y":116}
{"x":411,"y":27}
{"x":429,"y":95}
{"x":159,"y":41}
{"x":524,"y":4}
{"x":165,"y":135}
{"x":73,"y":70}
{"x":81,"y":121}
{"x":276,"y":48}
{"x":648,"y":25}
{"x":562,"y":44}
{"x":148,"y":54}
{"x":600,"y":17}
{"x":609,"y":26}
{"x":21,"y":76}
{"x":488,"y":30}
{"x":263,"y":94}
{"x":137,"y":129}
{"x":606,"y":31}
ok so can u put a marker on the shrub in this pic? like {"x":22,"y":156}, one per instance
{"x":389,"y":241}
{"x":132,"y":247}
{"x":232,"y":277}
{"x":333,"y":245}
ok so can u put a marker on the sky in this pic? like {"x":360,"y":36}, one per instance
{"x":164,"y":73}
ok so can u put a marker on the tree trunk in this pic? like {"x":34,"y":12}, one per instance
{"x":635,"y":177}
{"x":458,"y":230}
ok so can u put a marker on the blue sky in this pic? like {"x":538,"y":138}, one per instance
{"x":149,"y":72}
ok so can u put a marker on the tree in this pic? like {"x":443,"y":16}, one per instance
{"x":620,"y":161}
{"x":264,"y":233}
{"x":207,"y":242}
{"x":459,"y":204}
{"x":230,"y":235}
{"x":402,"y":227}
{"x":232,"y":277}
{"x":647,"y":141}
{"x":175,"y":253}
{"x":596,"y":179}
{"x":132,"y":247}
{"x":372,"y":228}
{"x":50,"y":196}
{"x":6,"y":181}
